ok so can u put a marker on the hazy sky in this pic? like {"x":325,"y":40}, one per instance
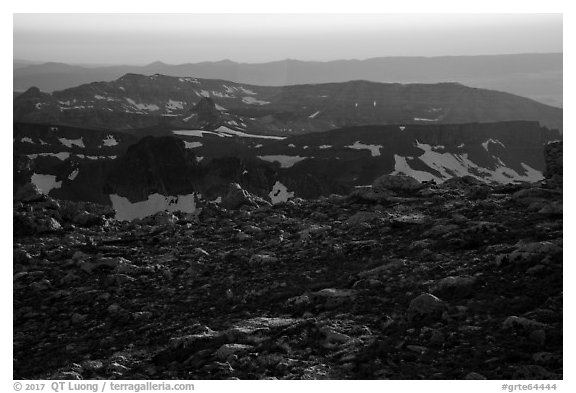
{"x":180,"y":38}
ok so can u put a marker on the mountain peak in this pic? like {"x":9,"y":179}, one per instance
{"x":157,"y":63}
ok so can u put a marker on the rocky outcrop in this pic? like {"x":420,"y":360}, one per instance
{"x":207,"y":114}
{"x":153,"y":165}
{"x":236,"y":197}
{"x":554,"y":163}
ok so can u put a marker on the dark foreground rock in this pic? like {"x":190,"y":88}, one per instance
{"x":434,"y":285}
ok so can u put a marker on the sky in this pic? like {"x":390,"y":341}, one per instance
{"x":253,"y":38}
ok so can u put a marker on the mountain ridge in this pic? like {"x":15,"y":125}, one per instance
{"x":136,"y":101}
{"x":538,"y":76}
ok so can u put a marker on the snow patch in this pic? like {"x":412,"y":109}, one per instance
{"x":171,"y":105}
{"x":227,"y":130}
{"x":192,"y":80}
{"x":280,"y":193}
{"x":127,"y":211}
{"x":220,"y":108}
{"x":74,"y":173}
{"x":26,"y":140}
{"x":96,"y":157}
{"x":402,"y":128}
{"x":423,"y":119}
{"x":495,"y":141}
{"x":109,"y":141}
{"x":99,"y":97}
{"x":69,"y":142}
{"x":374,"y":149}
{"x":186,"y":119}
{"x":401,"y":167}
{"x":199,"y":133}
{"x":254,"y":101}
{"x":247,"y":91}
{"x":62,"y":155}
{"x":204,"y":93}
{"x":533,"y":174}
{"x":449,"y":165}
{"x":292,"y":145}
{"x":45,"y":183}
{"x":199,"y":158}
{"x":192,"y":145}
{"x":150,"y":107}
{"x":230,"y":90}
{"x":285,"y":161}
{"x":313,"y":115}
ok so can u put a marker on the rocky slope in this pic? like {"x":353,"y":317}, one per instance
{"x":403,"y":280}
{"x":137,"y":101}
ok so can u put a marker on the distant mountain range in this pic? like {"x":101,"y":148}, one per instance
{"x":536,"y":76}
{"x":166,"y":102}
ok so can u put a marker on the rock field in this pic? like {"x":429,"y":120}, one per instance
{"x":401,"y":281}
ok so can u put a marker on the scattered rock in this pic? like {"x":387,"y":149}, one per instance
{"x":425,"y":306}
{"x":454,"y":287}
{"x":326,"y":288}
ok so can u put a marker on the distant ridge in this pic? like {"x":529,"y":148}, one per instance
{"x":536,"y":76}
{"x":140,"y":101}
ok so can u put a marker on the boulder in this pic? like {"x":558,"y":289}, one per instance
{"x":238,"y":197}
{"x":454,"y":287}
{"x":463,"y":182}
{"x":227,"y":350}
{"x":361,"y":217}
{"x":425,"y":305}
{"x":31,"y":224}
{"x":396,"y":183}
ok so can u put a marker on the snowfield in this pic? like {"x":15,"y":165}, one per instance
{"x":109,"y":141}
{"x":62,"y":155}
{"x":448,"y":165}
{"x":254,"y":101}
{"x":374,"y":149}
{"x":74,"y":174}
{"x":45,"y":183}
{"x":226,"y":132}
{"x":127,"y":211}
{"x":69,"y":142}
{"x":280,"y":193}
{"x":144,"y":107}
{"x":192,"y":145}
{"x":285,"y":161}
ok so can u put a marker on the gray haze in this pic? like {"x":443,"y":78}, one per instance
{"x":251,"y":38}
